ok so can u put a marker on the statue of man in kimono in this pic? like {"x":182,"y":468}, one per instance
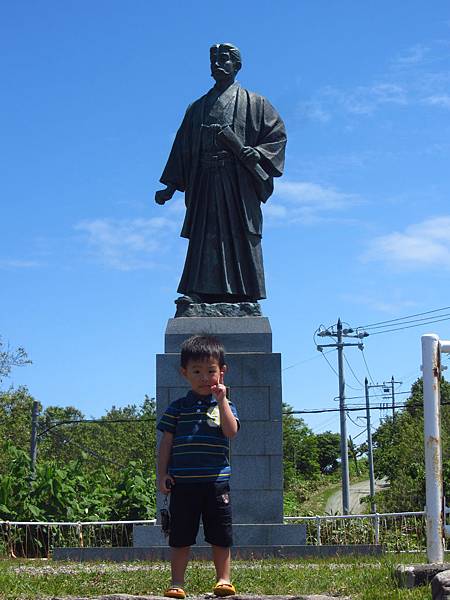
{"x":226,"y":153}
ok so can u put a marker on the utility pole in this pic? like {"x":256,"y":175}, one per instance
{"x":373,"y":507}
{"x":369,"y":431}
{"x":343,"y":423}
{"x":389,"y":388}
{"x":33,"y":444}
{"x":340,"y":333}
{"x":393,"y":396}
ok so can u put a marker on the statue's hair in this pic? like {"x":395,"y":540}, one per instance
{"x":202,"y":347}
{"x":234,"y":51}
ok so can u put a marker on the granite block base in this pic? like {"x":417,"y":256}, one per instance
{"x":145,"y":536}
{"x":204,"y":552}
{"x":254,"y":385}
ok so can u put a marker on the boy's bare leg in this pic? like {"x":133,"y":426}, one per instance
{"x":222,"y":563}
{"x":178,"y":560}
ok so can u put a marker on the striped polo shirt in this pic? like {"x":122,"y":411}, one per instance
{"x":200,"y":451}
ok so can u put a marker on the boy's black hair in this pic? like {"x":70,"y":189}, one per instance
{"x":202,"y":347}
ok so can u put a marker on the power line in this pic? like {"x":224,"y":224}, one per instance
{"x":304,"y":361}
{"x":90,"y":451}
{"x":367,"y":366}
{"x":353,"y":372}
{"x":354,"y":422}
{"x":409,"y":326}
{"x":356,"y":409}
{"x":428,"y":312}
{"x":99,"y":421}
{"x":422,"y":321}
{"x":329,"y":364}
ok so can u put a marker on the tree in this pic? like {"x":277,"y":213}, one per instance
{"x":329,"y":451}
{"x":10,"y":358}
{"x":355,"y":452}
{"x":399,"y":452}
{"x":299,"y":449}
{"x":122,"y":436}
{"x":15,"y":419}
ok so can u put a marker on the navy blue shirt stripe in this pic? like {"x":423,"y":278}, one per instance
{"x":200,"y":450}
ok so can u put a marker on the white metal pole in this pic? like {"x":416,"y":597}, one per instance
{"x":433,"y":460}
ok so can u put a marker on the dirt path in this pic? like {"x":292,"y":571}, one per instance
{"x":357,"y":491}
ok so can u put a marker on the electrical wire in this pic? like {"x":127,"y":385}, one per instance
{"x":367,"y":367}
{"x":353,"y":372}
{"x":321,"y":426}
{"x":87,"y":450}
{"x":356,"y":409}
{"x":99,"y":421}
{"x":354,"y":422}
{"x":428,"y":312}
{"x":409,"y":326}
{"x":359,"y":434}
{"x":305,"y":361}
{"x":330,"y":365}
{"x":423,"y":321}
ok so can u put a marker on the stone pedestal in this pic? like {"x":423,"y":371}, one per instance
{"x":254,"y":381}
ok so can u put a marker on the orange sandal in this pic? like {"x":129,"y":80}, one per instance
{"x":175,"y":592}
{"x":224,"y":589}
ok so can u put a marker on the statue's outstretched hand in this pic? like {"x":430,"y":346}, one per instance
{"x":250,"y":156}
{"x":162,"y":196}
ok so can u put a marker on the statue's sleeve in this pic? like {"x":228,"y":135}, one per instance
{"x":272,"y":140}
{"x":176,"y":171}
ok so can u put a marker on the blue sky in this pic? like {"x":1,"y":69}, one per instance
{"x":358,"y":227}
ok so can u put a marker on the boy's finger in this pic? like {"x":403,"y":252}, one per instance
{"x":221,"y":377}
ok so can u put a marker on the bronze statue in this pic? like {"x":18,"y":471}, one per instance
{"x":226,"y":153}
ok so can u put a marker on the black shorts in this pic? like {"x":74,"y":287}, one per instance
{"x":211,"y":502}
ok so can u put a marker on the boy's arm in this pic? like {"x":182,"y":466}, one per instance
{"x":228,"y":421}
{"x":164,"y":450}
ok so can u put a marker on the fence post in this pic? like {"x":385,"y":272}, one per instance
{"x":377,"y":528}
{"x":431,"y":367}
{"x":319,"y":542}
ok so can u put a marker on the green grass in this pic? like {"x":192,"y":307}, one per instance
{"x":362,"y":578}
{"x":317,"y":502}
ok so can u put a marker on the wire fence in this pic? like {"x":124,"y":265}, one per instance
{"x":22,"y":539}
{"x":396,"y":532}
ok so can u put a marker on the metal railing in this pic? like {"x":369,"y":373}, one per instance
{"x":29,"y":539}
{"x":396,"y":532}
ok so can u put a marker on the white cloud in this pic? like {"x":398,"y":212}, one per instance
{"x":422,"y":245}
{"x":393,"y":304}
{"x":362,"y":100}
{"x":418,"y":76}
{"x":11,"y":263}
{"x":365,"y":100}
{"x":315,"y":111}
{"x":304,"y":201}
{"x":128,"y":244}
{"x":415,"y":55}
{"x":442,"y":100}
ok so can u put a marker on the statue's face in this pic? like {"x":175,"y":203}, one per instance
{"x":222,"y":65}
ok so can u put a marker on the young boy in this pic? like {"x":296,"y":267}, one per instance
{"x":194,"y":462}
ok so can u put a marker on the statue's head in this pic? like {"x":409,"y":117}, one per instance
{"x":225,"y":61}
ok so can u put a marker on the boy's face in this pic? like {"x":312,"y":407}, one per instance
{"x":203,"y":374}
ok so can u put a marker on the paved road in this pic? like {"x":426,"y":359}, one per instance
{"x":357,"y":491}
